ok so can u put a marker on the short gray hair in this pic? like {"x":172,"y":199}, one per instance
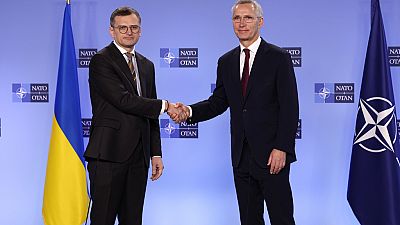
{"x":257,"y":6}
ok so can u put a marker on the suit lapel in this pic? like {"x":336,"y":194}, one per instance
{"x":142,"y":72}
{"x":121,"y":62}
{"x":235,"y":61}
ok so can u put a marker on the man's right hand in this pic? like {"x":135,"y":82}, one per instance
{"x":178,"y":112}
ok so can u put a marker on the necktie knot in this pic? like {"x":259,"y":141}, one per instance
{"x":129,"y":55}
{"x":247,"y":52}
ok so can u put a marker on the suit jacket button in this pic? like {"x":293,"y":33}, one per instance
{"x":244,"y":110}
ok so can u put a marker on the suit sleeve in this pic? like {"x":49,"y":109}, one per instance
{"x":105,"y":80}
{"x":288,"y":106}
{"x":215,"y":105}
{"x":155,"y":141}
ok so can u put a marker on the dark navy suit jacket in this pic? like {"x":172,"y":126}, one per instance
{"x":268,"y":114}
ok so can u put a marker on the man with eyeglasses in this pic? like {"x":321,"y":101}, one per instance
{"x":125,"y":132}
{"x":257,"y":82}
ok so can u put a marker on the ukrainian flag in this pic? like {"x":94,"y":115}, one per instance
{"x":65,"y":199}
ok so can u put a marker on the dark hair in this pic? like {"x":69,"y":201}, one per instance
{"x":124,"y":11}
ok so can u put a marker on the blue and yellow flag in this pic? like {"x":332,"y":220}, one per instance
{"x":374,"y":181}
{"x":65,"y":199}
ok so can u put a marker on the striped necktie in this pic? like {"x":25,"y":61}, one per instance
{"x":130,"y":64}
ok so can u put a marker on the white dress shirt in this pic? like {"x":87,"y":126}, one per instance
{"x":253,"y":50}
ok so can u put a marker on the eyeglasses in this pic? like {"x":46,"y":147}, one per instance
{"x":123,"y":29}
{"x":246,"y":19}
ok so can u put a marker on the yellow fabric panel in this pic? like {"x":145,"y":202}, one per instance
{"x":65,"y":199}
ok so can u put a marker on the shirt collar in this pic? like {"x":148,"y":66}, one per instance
{"x":122,"y":50}
{"x":253,"y":47}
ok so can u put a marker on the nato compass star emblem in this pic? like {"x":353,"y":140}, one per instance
{"x":169,"y":57}
{"x":378,"y":133}
{"x":324,"y":93}
{"x":21,"y":92}
{"x":169,"y":128}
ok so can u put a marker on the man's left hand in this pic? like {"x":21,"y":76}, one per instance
{"x":157,"y":168}
{"x":276,"y":161}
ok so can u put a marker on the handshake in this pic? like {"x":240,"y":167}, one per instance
{"x":178,"y":111}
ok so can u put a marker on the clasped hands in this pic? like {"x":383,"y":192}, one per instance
{"x":178,"y":112}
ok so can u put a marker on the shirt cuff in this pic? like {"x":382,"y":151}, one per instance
{"x":163,"y":106}
{"x":156,"y":156}
{"x":190,"y":112}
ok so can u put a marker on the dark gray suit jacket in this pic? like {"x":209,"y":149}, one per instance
{"x":120,"y":117}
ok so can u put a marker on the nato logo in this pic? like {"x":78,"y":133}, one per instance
{"x":30,"y":92}
{"x":394,"y":56}
{"x":295,"y":53}
{"x":179,"y":57}
{"x":298,"y":132}
{"x":378,"y":133}
{"x":86,"y":123}
{"x":169,"y":129}
{"x":85,"y":54}
{"x":334,"y":92}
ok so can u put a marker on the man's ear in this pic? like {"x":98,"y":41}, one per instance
{"x":112,"y":32}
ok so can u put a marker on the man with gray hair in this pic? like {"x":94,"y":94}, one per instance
{"x":256,"y":82}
